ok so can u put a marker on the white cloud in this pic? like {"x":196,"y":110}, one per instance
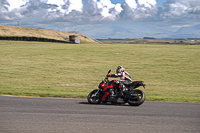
{"x":75,"y":5}
{"x":131,"y":3}
{"x":105,"y":3}
{"x":15,"y":4}
{"x":56,"y":2}
{"x":147,"y":3}
{"x":108,"y":9}
{"x":118,"y":8}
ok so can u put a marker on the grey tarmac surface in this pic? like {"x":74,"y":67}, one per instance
{"x":59,"y":115}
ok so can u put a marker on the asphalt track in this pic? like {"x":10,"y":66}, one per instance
{"x":57,"y":115}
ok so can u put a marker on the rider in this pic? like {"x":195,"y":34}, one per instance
{"x":125,"y":78}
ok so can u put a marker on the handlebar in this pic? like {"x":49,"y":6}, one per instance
{"x":106,"y":80}
{"x":106,"y":77}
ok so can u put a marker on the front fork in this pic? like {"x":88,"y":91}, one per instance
{"x":96,"y":93}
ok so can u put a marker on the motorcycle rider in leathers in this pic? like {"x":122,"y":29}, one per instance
{"x":125,"y":78}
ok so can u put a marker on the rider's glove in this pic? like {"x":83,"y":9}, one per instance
{"x":117,"y":82}
{"x":108,"y":75}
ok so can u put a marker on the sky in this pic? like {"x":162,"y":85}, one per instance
{"x":104,"y":18}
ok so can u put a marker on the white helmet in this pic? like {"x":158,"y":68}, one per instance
{"x":120,"y":69}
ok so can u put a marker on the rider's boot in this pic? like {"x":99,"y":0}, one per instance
{"x":112,"y":96}
{"x":125,"y":89}
{"x":122,"y":89}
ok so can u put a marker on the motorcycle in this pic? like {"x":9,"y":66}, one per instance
{"x":109,"y":91}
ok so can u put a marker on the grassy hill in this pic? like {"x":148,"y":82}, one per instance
{"x":10,"y":31}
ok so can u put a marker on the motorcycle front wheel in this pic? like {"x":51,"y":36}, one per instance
{"x":94,"y":98}
{"x":136,"y":97}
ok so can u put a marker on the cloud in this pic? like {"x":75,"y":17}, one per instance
{"x":147,"y":3}
{"x":181,"y":9}
{"x":4,"y":5}
{"x":57,"y":3}
{"x":107,"y":9}
{"x":70,"y":5}
{"x":34,"y":12}
{"x":64,"y":9}
{"x":138,"y":10}
{"x":16,"y":4}
{"x":131,"y":3}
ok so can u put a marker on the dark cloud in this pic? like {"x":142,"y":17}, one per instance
{"x":4,"y":5}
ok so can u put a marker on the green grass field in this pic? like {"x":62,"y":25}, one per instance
{"x":171,"y":72}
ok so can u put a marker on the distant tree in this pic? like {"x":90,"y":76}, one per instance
{"x":149,"y":38}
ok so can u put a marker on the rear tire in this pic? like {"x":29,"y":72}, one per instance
{"x":138,"y":100}
{"x":92,"y":99}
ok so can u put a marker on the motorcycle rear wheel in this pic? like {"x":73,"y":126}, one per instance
{"x":137,"y":99}
{"x":92,"y":99}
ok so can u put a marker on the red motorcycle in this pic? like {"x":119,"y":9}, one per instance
{"x":109,"y":91}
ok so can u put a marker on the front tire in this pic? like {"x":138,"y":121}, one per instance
{"x":136,"y":98}
{"x":92,"y":99}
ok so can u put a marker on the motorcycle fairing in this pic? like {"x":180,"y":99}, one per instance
{"x":106,"y":87}
{"x":105,"y":96}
